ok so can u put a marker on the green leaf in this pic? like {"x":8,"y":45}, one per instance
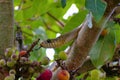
{"x":63,"y":3}
{"x":57,"y":10}
{"x":41,"y":7}
{"x":75,"y":21}
{"x":37,"y":55}
{"x":103,"y":49}
{"x":18,"y":15}
{"x":80,"y":3}
{"x":40,"y":33}
{"x":110,"y":78}
{"x":27,"y":34}
{"x":116,"y":28}
{"x":17,"y":2}
{"x":28,"y":13}
{"x":97,"y":7}
{"x":26,"y":4}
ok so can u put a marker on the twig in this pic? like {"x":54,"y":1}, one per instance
{"x":62,"y":25}
{"x":32,"y":46}
{"x":31,"y":35}
{"x":48,"y":27}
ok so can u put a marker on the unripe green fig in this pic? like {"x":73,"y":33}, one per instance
{"x":63,"y":55}
{"x":31,"y":70}
{"x":95,"y":75}
{"x":36,"y":74}
{"x":12,"y":71}
{"x":10,"y":77}
{"x":8,"y":52}
{"x":11,"y":63}
{"x":2,"y":62}
{"x":56,"y":57}
{"x":45,"y":60}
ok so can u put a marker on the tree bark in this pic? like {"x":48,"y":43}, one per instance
{"x":6,"y":25}
{"x":6,"y":28}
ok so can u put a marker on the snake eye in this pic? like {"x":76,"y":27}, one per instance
{"x":49,"y":41}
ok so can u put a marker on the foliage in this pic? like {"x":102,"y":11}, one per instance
{"x":103,"y":49}
{"x":34,"y":19}
{"x":44,"y":19}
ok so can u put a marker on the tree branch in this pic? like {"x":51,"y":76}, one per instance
{"x":61,"y":24}
{"x":48,"y":27}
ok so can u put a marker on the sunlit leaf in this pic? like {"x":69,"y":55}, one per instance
{"x":80,"y":3}
{"x":18,"y":15}
{"x":17,"y":2}
{"x":75,"y":21}
{"x":26,"y":4}
{"x":27,"y":13}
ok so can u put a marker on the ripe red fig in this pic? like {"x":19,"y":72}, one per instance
{"x":46,"y":75}
{"x":22,"y":53}
{"x":63,"y":75}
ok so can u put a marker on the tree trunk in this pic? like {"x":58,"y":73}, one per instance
{"x":6,"y":25}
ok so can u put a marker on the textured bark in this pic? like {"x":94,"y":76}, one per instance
{"x":82,"y":46}
{"x":6,"y":28}
{"x":87,"y":66}
{"x":6,"y":25}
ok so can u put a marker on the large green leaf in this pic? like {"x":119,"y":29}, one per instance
{"x":103,"y":49}
{"x":97,"y":7}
